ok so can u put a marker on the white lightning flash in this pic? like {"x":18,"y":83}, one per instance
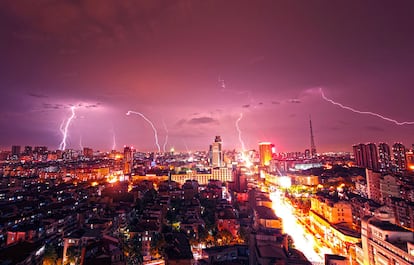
{"x":240,"y":133}
{"x":113,"y":140}
{"x":80,"y":142}
{"x":245,"y":158}
{"x":365,"y":112}
{"x":152,"y":125}
{"x":166,"y":136}
{"x":64,"y":128}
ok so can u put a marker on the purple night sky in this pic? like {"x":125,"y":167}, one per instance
{"x":165,"y":59}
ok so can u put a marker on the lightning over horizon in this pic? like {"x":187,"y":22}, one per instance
{"x":80,"y":142}
{"x":166,"y":136}
{"x":113,"y":140}
{"x":364,"y":112}
{"x":150,"y":123}
{"x":64,"y":129}
{"x":240,"y":133}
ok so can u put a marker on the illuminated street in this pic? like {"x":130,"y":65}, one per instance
{"x":303,"y":240}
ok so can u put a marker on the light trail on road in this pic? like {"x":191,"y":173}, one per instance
{"x":304,"y":241}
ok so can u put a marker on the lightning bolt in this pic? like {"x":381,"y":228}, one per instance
{"x":240,"y":133}
{"x":64,"y":128}
{"x":245,"y":158}
{"x":80,"y":142}
{"x":364,"y":112}
{"x":166,"y":136}
{"x":152,"y":125}
{"x":113,"y":140}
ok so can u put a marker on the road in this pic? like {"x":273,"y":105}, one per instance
{"x":304,"y":241}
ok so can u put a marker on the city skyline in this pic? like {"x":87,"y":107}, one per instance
{"x":196,"y":69}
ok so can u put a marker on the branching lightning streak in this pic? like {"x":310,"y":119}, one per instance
{"x":152,"y":125}
{"x":166,"y":136}
{"x":240,"y":133}
{"x":64,"y":128}
{"x":364,"y":112}
{"x":245,"y":158}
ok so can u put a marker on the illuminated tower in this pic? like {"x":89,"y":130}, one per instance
{"x":216,"y":153}
{"x":410,"y":160}
{"x":400,"y":162}
{"x":265,"y":152}
{"x":384,"y":158}
{"x":313,"y":146}
{"x":127,"y":160}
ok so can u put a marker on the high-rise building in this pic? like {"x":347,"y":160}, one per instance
{"x":400,"y":162}
{"x":410,"y":160}
{"x":265,"y":152}
{"x":372,"y":156}
{"x":384,"y":157}
{"x":360,"y":154}
{"x":366,"y":155}
{"x":41,"y":150}
{"x":15,"y":150}
{"x":216,"y":153}
{"x":87,"y":152}
{"x":373,"y":185}
{"x":28,"y":150}
{"x":127,"y":160}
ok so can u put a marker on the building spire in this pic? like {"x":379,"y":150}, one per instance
{"x":313,"y":146}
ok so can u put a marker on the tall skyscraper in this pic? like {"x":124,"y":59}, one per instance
{"x":15,"y":150}
{"x":87,"y":152}
{"x":373,"y":185}
{"x":312,"y":139}
{"x":41,"y":150}
{"x":265,"y":152}
{"x":127,"y":160}
{"x":410,"y":160}
{"x":366,"y":155}
{"x":28,"y":150}
{"x":384,"y":158}
{"x":360,"y":155}
{"x":400,"y":161}
{"x":372,"y":156}
{"x":216,"y":153}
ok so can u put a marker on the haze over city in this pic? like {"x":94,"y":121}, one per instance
{"x":194,"y":67}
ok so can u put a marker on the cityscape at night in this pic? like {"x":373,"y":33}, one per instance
{"x":206,"y":132}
